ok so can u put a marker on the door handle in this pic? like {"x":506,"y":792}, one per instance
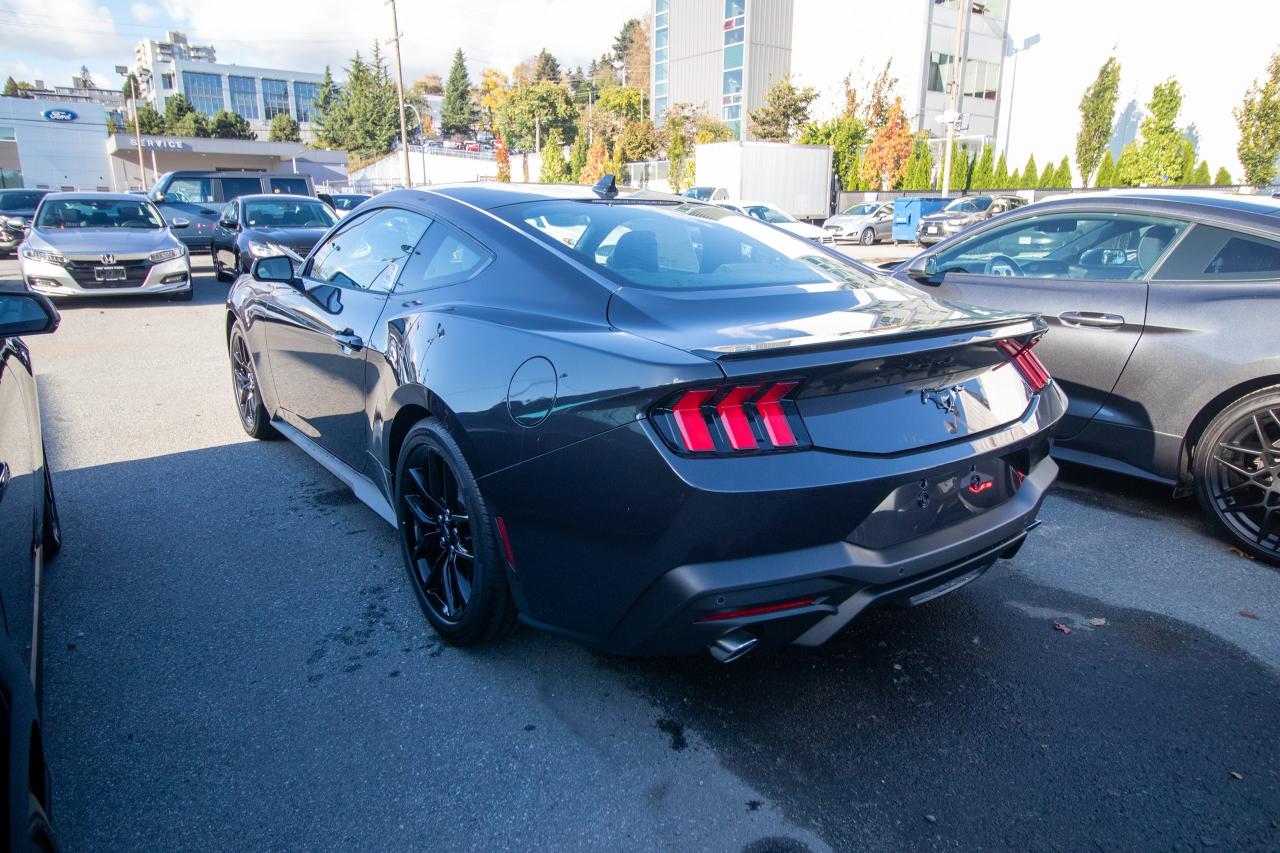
{"x":348,"y":342}
{"x":1093,"y":319}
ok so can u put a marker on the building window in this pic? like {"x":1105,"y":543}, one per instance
{"x":661,"y":36}
{"x":304,"y":94}
{"x":939,"y":71}
{"x":275,"y":98}
{"x":166,"y":81}
{"x":981,"y":79}
{"x":204,"y":91}
{"x":7,"y":134}
{"x":244,"y":96}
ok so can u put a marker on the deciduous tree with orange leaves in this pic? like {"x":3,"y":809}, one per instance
{"x":887,"y":155}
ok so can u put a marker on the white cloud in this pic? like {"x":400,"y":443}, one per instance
{"x":144,"y":12}
{"x":84,"y":31}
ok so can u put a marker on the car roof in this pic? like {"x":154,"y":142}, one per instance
{"x":91,"y":195}
{"x":265,"y":196}
{"x":1201,"y":204}
{"x":488,"y":195}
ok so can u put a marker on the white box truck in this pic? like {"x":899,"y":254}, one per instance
{"x":796,"y":178}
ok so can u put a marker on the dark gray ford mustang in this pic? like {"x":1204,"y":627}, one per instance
{"x":652,"y":425}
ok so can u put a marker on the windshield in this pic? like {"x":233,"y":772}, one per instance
{"x":861,"y":209}
{"x":98,"y":213}
{"x":768,"y":214}
{"x":20,"y":200}
{"x":968,"y":205}
{"x":288,"y":213}
{"x":349,"y":202}
{"x":679,"y":247}
{"x":700,"y":193}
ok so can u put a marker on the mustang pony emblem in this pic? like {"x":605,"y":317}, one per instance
{"x":946,"y":399}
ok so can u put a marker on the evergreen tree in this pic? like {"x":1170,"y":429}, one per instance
{"x":1062,"y":177}
{"x":1048,"y":177}
{"x":614,"y":165}
{"x":176,"y":108}
{"x":150,"y":121}
{"x":1001,"y":180}
{"x":680,"y":172}
{"x":919,"y":174}
{"x":1161,"y":148}
{"x":1129,"y":172}
{"x":785,"y":112}
{"x":228,"y":125}
{"x":192,"y":124}
{"x":1223,"y":178}
{"x":458,"y":114}
{"x":1097,"y":108}
{"x":366,"y":115}
{"x":1187,"y":173}
{"x":284,"y":129}
{"x":1258,"y":118}
{"x":326,"y":119}
{"x":545,"y":67}
{"x":578,"y":157}
{"x":554,"y":168}
{"x":984,"y":173}
{"x":11,"y":89}
{"x":1106,"y":176}
{"x":1015,"y":180}
{"x":1030,"y":173}
{"x":1201,"y":177}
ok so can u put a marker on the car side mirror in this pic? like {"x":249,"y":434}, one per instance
{"x":24,"y":312}
{"x":228,"y":224}
{"x":275,"y":269}
{"x":159,"y":197}
{"x":179,"y":222}
{"x":923,"y":268}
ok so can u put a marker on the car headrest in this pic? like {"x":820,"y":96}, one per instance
{"x":1152,"y":245}
{"x":635,"y":250}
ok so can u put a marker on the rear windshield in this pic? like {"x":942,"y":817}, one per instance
{"x":98,"y":213}
{"x":20,"y":200}
{"x":288,"y":213}
{"x":680,"y":247}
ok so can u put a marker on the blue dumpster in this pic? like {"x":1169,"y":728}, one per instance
{"x":907,"y":213}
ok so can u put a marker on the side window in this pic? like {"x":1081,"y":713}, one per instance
{"x":370,"y":253}
{"x":1210,"y":253}
{"x":443,"y":258}
{"x":1088,"y":246}
{"x":292,"y":186}
{"x":190,"y":190}
{"x":236,"y":187}
{"x":230,"y":214}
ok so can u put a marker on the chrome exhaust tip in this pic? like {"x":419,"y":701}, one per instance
{"x":732,"y":646}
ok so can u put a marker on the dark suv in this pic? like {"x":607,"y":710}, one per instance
{"x":962,"y":213}
{"x":200,"y":196}
{"x":16,"y":209}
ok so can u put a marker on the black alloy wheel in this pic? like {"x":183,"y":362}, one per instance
{"x":1237,"y":473}
{"x":868,"y":236}
{"x":449,"y":542}
{"x":244,"y":383}
{"x":219,"y":273}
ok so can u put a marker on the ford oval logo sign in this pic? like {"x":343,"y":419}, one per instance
{"x":59,"y":115}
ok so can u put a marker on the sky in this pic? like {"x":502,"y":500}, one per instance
{"x":1215,"y":50}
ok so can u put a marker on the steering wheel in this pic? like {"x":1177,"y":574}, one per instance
{"x":1002,"y":266}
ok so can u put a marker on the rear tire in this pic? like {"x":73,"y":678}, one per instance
{"x":449,"y":541}
{"x":868,"y":237}
{"x":254,"y":417}
{"x":1236,"y":469}
{"x":219,"y":273}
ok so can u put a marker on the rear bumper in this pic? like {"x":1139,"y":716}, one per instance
{"x":639,"y":547}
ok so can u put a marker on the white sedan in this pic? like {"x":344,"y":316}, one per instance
{"x":776,"y":216}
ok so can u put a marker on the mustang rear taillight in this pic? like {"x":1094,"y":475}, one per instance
{"x":755,"y":417}
{"x":1025,"y":360}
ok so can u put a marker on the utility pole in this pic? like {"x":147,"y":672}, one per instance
{"x":957,"y":89}
{"x":137,"y":128}
{"x":404,"y":132}
{"x":422,"y":140}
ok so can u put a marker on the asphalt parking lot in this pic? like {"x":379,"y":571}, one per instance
{"x":236,"y":661}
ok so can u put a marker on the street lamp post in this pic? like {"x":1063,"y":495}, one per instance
{"x":1029,"y":41}
{"x":957,"y":91}
{"x":137,"y":128}
{"x":404,"y":133}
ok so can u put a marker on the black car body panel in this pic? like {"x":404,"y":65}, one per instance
{"x":25,"y":493}
{"x":1147,"y":356}
{"x":235,"y":229}
{"x":552,"y":375}
{"x":17,"y":208}
{"x":199,"y":197}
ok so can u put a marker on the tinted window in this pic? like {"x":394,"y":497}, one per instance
{"x":230,"y":214}
{"x":293,"y":186}
{"x":288,"y":213}
{"x":1086,"y":246}
{"x":190,"y":190}
{"x":98,"y":213}
{"x":22,"y":200}
{"x":236,"y":187}
{"x":444,"y":257}
{"x":683,"y":246}
{"x":370,"y":254}
{"x":1218,"y":253}
{"x":349,"y":202}
{"x":768,"y":214}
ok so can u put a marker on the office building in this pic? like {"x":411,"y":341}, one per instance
{"x":978,"y":64}
{"x":720,"y":56}
{"x":166,"y":68}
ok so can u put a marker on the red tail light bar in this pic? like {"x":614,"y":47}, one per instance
{"x":755,"y":417}
{"x":1025,"y":360}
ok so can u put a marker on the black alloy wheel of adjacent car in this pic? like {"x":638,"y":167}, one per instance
{"x":244,"y":382}
{"x":219,"y":273}
{"x":450,"y":541}
{"x":868,"y":236}
{"x":1237,"y":472}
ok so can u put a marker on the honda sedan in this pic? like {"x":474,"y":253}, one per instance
{"x":647,"y":423}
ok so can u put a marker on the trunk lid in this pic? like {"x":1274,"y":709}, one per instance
{"x":884,"y":369}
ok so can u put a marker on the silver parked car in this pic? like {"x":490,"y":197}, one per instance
{"x":867,"y":222}
{"x":93,"y":244}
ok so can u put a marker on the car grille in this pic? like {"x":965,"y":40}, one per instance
{"x":135,"y":273}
